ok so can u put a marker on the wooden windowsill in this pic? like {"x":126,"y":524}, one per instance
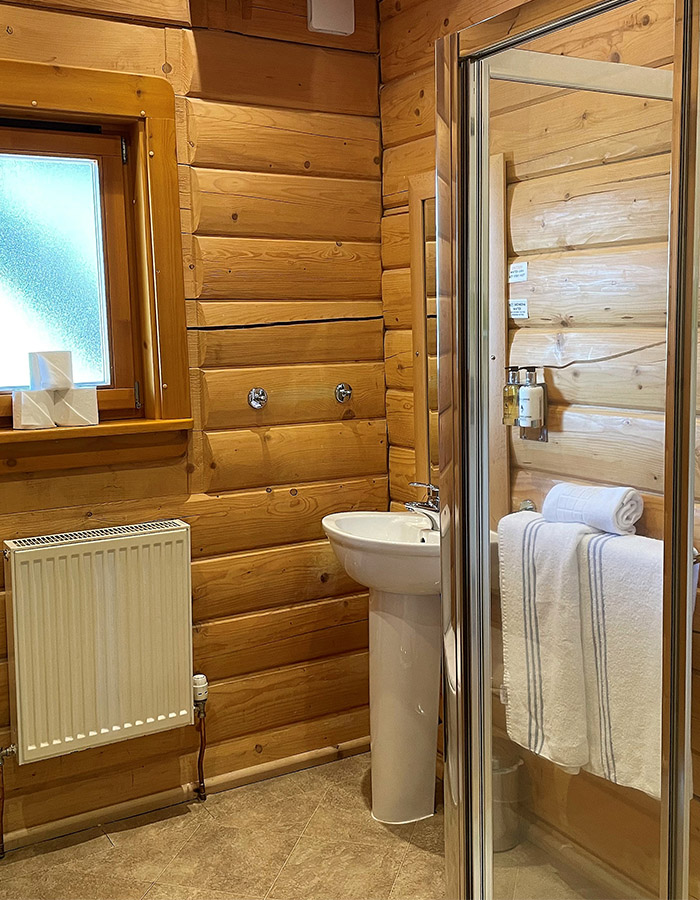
{"x":103,"y":429}
{"x":117,"y":442}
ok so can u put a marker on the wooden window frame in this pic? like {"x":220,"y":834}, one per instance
{"x":142,"y":109}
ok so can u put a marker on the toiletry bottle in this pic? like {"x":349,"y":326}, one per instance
{"x":510,"y":396}
{"x":531,"y":401}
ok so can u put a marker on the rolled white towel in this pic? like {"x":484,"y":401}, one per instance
{"x":611,"y":509}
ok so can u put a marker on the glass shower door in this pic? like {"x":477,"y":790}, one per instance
{"x":570,"y":648}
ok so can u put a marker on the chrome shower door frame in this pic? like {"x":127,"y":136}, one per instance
{"x":462,"y":288}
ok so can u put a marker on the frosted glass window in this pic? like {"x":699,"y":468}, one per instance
{"x":52,"y":272}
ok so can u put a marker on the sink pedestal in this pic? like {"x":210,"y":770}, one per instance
{"x":405,"y":647}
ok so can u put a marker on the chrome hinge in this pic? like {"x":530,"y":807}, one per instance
{"x":125,"y":151}
{"x":137,"y":395}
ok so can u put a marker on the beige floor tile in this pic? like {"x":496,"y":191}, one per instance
{"x":421,"y":877}
{"x":64,"y":882}
{"x":429,"y":834}
{"x":353,"y":769}
{"x":75,"y":849}
{"x":504,"y":883}
{"x":281,"y":804}
{"x":324,"y":870}
{"x":524,"y":854}
{"x":239,"y":861}
{"x":344,"y":815}
{"x":181,"y":892}
{"x":543,"y":883}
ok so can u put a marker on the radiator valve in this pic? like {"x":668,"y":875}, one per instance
{"x":200,"y":693}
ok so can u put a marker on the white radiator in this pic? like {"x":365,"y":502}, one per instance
{"x":100,"y":634}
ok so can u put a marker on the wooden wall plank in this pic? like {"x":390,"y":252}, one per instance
{"x":248,"y":268}
{"x":296,"y":394}
{"x":285,"y":20}
{"x":273,"y":638}
{"x":170,"y":11}
{"x":572,"y":129}
{"x":283,"y":696}
{"x":222,"y":66}
{"x":4,"y":694}
{"x":623,"y":203}
{"x":220,"y":313}
{"x":400,"y":418}
{"x":262,"y":579}
{"x":599,"y":444}
{"x":286,"y":344}
{"x":253,"y":204}
{"x":400,"y":163}
{"x":398,"y":356}
{"x":396,"y":251}
{"x":39,"y":35}
{"x":600,"y":287}
{"x":396,"y":298}
{"x":284,"y":454}
{"x":624,"y":367}
{"x":260,"y":139}
{"x":408,"y":107}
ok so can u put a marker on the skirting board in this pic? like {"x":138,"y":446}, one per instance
{"x":33,"y":835}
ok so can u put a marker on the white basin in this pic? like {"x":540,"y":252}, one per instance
{"x":397,"y":556}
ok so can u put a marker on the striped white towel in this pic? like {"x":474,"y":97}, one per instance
{"x":621,"y":609}
{"x":542,"y":652}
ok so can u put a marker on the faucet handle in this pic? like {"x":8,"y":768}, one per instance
{"x":433,"y":492}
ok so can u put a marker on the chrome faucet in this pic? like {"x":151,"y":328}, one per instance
{"x":430,"y":508}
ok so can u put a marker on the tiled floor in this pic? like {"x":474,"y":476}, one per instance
{"x":304,"y":836}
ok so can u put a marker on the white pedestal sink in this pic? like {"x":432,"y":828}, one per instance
{"x":397,"y":557}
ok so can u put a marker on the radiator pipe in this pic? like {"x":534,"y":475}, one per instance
{"x":200,"y":689}
{"x":5,"y":752}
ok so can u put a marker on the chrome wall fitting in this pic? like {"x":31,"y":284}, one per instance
{"x":257,"y":398}
{"x":343,"y":392}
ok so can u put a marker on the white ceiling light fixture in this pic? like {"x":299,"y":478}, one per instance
{"x":331,"y":16}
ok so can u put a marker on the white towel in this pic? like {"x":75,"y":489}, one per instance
{"x":621,"y":610}
{"x":542,"y":652}
{"x":612,"y":509}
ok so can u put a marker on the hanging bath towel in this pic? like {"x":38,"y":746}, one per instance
{"x":622,"y":607}
{"x":542,"y":652}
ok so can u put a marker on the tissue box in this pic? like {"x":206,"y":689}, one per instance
{"x":32,"y":409}
{"x":76,"y":406}
{"x":51,"y":371}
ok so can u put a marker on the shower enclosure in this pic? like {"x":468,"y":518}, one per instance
{"x":567,"y":239}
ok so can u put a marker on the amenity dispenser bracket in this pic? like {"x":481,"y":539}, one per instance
{"x":525,"y":404}
{"x":538,"y":432}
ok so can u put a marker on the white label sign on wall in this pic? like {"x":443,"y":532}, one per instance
{"x":517,"y":271}
{"x":518,"y":309}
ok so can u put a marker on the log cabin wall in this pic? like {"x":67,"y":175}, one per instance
{"x":279,"y":151}
{"x":577,"y":222}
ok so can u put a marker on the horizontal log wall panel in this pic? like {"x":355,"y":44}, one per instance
{"x":285,"y":454}
{"x":620,"y":203}
{"x":247,"y":268}
{"x":246,"y":520}
{"x":253,"y":204}
{"x":402,"y":471}
{"x":295,"y":394}
{"x":273,"y":638}
{"x":600,"y":445}
{"x":398,"y":356}
{"x":396,"y":297}
{"x":283,"y":696}
{"x":39,"y":490}
{"x":305,"y":342}
{"x":603,"y":287}
{"x":260,"y":139}
{"x":4,"y":694}
{"x":396,"y":251}
{"x":221,"y":313}
{"x":408,"y":107}
{"x":400,"y":418}
{"x":400,"y":163}
{"x":285,"y":20}
{"x":3,"y":626}
{"x":39,"y":35}
{"x":174,"y":11}
{"x":261,"y":579}
{"x":641,"y":37}
{"x":243,"y":69}
{"x":574,"y":129}
{"x":621,"y":367}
